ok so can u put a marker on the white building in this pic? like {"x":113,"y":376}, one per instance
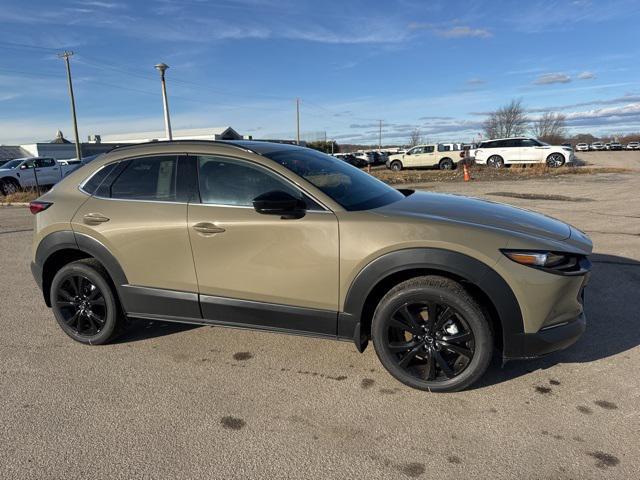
{"x":214,"y":133}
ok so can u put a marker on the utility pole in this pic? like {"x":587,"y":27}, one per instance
{"x":66,"y":54}
{"x":298,"y":121}
{"x":380,"y":136}
{"x":162,"y":67}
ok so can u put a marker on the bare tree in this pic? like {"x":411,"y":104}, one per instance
{"x":415,"y":138}
{"x":550,"y":128}
{"x":508,"y":121}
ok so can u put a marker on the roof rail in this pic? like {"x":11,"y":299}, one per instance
{"x":171,"y":142}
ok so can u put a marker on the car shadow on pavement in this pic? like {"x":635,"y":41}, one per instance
{"x":139,"y":329}
{"x":612,"y":314}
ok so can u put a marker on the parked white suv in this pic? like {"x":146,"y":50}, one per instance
{"x":597,"y":146}
{"x":520,"y":150}
{"x":582,"y":147}
{"x":633,"y":146}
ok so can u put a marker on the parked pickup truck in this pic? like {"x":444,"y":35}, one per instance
{"x":23,"y":173}
{"x":441,"y":155}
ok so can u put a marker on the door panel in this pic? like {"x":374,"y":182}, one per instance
{"x":244,"y":255}
{"x":149,"y":238}
{"x":265,"y":258}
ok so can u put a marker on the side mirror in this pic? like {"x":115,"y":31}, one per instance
{"x":279,"y":203}
{"x":24,"y":166}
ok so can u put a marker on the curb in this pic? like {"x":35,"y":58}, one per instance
{"x":14,"y":204}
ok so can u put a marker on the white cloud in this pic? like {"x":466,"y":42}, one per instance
{"x":586,"y":76}
{"x":464,"y":31}
{"x":549,"y":78}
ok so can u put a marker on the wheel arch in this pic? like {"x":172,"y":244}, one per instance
{"x":372,"y":282}
{"x":60,"y":248}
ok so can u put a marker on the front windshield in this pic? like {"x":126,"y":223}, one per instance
{"x":12,"y":163}
{"x":347,"y":185}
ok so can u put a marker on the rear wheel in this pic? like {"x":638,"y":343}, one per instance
{"x":495,"y":161}
{"x":396,"y":166}
{"x":430,"y":334}
{"x":555,"y":160}
{"x":9,"y":186}
{"x":84,"y":303}
{"x":446,"y":164}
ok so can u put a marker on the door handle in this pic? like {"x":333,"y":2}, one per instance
{"x":207,"y":228}
{"x":94,"y":218}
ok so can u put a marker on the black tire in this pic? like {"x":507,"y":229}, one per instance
{"x":9,"y":186}
{"x":495,"y":161}
{"x":446,"y":164}
{"x":555,"y":160}
{"x":454,"y":312}
{"x":84,"y":303}
{"x":396,"y":165}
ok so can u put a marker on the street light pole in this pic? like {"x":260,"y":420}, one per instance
{"x":380,"y":136}
{"x":66,"y":54}
{"x":298,"y":121}
{"x":162,"y":67}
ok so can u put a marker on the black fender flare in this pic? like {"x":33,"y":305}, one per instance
{"x":455,"y":263}
{"x":69,"y":240}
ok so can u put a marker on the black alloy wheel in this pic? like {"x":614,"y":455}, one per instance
{"x":81,"y":305}
{"x":431,"y":341}
{"x":431,"y":334}
{"x":85,"y":304}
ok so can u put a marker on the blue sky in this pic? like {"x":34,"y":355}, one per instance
{"x":435,"y":65}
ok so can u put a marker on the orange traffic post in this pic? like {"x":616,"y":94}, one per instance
{"x":467,"y":175}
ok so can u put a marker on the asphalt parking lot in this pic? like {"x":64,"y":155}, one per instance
{"x":174,"y":401}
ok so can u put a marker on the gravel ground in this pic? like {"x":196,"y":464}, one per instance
{"x":200,"y":402}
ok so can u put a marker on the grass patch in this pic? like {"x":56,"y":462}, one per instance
{"x":481,"y":173}
{"x":25,"y":196}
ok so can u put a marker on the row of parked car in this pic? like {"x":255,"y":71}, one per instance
{"x":30,"y":172}
{"x":595,"y":146}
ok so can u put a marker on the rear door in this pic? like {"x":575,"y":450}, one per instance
{"x":139,"y":213}
{"x":261,"y":270}
{"x":48,"y":171}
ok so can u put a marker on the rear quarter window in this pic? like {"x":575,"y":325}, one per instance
{"x":91,"y":185}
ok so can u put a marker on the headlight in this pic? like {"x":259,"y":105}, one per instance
{"x":552,"y":262}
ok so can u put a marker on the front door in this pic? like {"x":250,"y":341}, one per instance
{"x":261,"y":270}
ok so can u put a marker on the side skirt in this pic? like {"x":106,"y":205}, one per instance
{"x":186,"y":307}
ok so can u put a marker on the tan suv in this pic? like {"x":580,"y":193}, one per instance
{"x":286,"y":239}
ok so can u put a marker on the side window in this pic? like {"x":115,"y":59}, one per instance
{"x":416,"y":151}
{"x":91,"y":185}
{"x":45,"y":162}
{"x":147,"y":178}
{"x":429,"y":149}
{"x":529,"y":143}
{"x":236,"y":183}
{"x":444,"y":148}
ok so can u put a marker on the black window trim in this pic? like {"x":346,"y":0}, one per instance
{"x":178,"y":155}
{"x":258,"y":165}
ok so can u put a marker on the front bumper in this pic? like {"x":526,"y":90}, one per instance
{"x":545,"y":341}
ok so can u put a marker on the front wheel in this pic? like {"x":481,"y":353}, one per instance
{"x":555,"y":160}
{"x":430,"y":334}
{"x":396,"y":166}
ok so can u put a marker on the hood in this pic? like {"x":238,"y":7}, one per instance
{"x":479,"y":212}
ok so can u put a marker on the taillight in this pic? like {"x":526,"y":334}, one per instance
{"x":37,"y":207}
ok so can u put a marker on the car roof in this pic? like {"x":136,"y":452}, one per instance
{"x":507,"y":138}
{"x":255,"y":146}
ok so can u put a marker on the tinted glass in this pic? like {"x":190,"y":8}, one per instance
{"x":444,"y":148}
{"x":45,"y":162}
{"x":232,"y":182}
{"x":91,"y":185}
{"x":345,"y":184}
{"x":528,"y":143}
{"x":429,"y":149}
{"x":148,"y":178}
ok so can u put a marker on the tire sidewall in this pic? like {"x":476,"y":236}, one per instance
{"x":99,"y":281}
{"x":446,"y":161}
{"x":471,"y":313}
{"x":554,"y":165}
{"x":499,"y":162}
{"x":396,"y":166}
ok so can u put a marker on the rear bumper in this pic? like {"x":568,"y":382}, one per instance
{"x":545,"y":341}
